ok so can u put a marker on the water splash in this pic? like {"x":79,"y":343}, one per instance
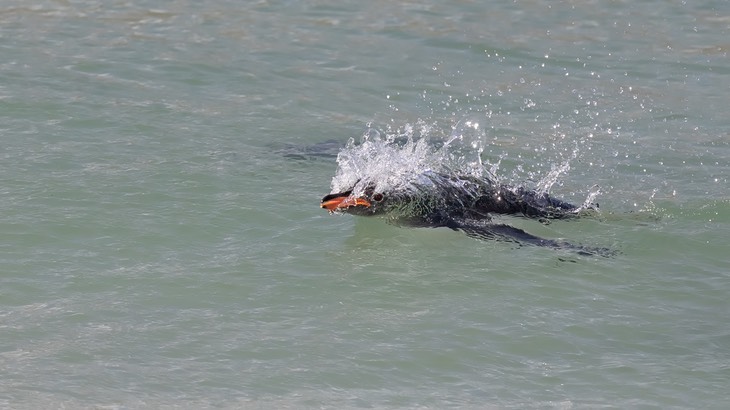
{"x":590,"y":201}
{"x":388,"y":159}
{"x":392,"y":159}
{"x":398,"y":158}
{"x":556,"y":171}
{"x":465,"y":146}
{"x":547,"y":182}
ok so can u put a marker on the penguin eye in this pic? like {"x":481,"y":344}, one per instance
{"x":378,"y":197}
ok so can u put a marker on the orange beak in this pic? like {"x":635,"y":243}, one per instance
{"x":344,"y":200}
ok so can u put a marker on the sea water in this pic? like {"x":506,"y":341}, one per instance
{"x":159,"y":250}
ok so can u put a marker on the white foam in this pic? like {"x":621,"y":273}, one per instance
{"x":396,"y":159}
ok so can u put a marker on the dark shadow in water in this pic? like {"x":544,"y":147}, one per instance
{"x":325,"y":150}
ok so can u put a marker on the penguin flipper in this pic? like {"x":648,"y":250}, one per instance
{"x":501,"y":232}
{"x":484,"y":230}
